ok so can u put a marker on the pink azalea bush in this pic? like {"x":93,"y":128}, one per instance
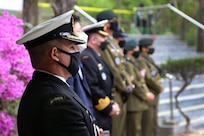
{"x":7,"y":124}
{"x":15,"y":71}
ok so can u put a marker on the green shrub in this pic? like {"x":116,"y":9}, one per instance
{"x":184,"y":68}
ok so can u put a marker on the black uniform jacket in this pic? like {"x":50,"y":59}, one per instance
{"x":50,"y":108}
{"x":101,"y":81}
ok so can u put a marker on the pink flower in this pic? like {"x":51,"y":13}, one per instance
{"x":14,"y":89}
{"x":15,"y":71}
{"x":7,"y":123}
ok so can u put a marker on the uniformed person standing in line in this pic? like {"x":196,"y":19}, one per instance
{"x":78,"y":82}
{"x":154,"y":83}
{"x":120,"y":36}
{"x":49,"y":107}
{"x":137,"y":101}
{"x":115,"y":60}
{"x":99,"y":75}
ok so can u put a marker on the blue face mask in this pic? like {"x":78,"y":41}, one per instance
{"x":74,"y":64}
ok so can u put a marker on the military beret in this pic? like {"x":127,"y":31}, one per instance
{"x":96,"y":28}
{"x":144,"y":42}
{"x":106,"y":14}
{"x":58,"y":27}
{"x":130,"y":44}
{"x":119,"y":33}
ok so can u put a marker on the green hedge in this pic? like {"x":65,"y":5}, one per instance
{"x":185,"y":68}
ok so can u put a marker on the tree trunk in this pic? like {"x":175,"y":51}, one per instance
{"x":30,"y":14}
{"x":200,"y":47}
{"x":188,"y":120}
{"x":62,"y":6}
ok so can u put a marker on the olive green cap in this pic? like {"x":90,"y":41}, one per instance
{"x":144,"y":42}
{"x":130,"y":44}
{"x":106,"y":14}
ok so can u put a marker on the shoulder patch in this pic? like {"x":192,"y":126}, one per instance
{"x":56,"y":99}
{"x":85,"y":57}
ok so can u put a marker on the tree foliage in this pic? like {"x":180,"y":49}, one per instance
{"x":178,"y":25}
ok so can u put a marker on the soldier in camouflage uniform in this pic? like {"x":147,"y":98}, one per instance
{"x":153,"y":81}
{"x":115,"y":60}
{"x":137,"y":101}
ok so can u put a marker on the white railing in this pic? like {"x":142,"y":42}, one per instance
{"x":177,"y":11}
{"x":190,"y":19}
{"x":93,"y":20}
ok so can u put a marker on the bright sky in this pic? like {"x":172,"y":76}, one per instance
{"x":16,"y":5}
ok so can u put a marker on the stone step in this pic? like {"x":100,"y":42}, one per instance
{"x":184,"y":101}
{"x":193,"y":111}
{"x":196,"y":124}
{"x":174,"y":54}
{"x":163,"y":50}
{"x":157,"y":37}
{"x":193,"y":90}
{"x":196,"y":86}
{"x":191,"y":96}
{"x":169,"y":43}
{"x":170,"y":47}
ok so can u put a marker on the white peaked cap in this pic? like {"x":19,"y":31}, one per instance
{"x":96,"y":28}
{"x":58,"y":27}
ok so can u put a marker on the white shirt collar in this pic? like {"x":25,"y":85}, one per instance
{"x":61,"y":78}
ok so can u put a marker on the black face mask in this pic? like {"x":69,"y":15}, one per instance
{"x":136,"y":54}
{"x":114,"y":26}
{"x":74,"y":64}
{"x":103,"y":45}
{"x":121,"y":43}
{"x":151,"y":50}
